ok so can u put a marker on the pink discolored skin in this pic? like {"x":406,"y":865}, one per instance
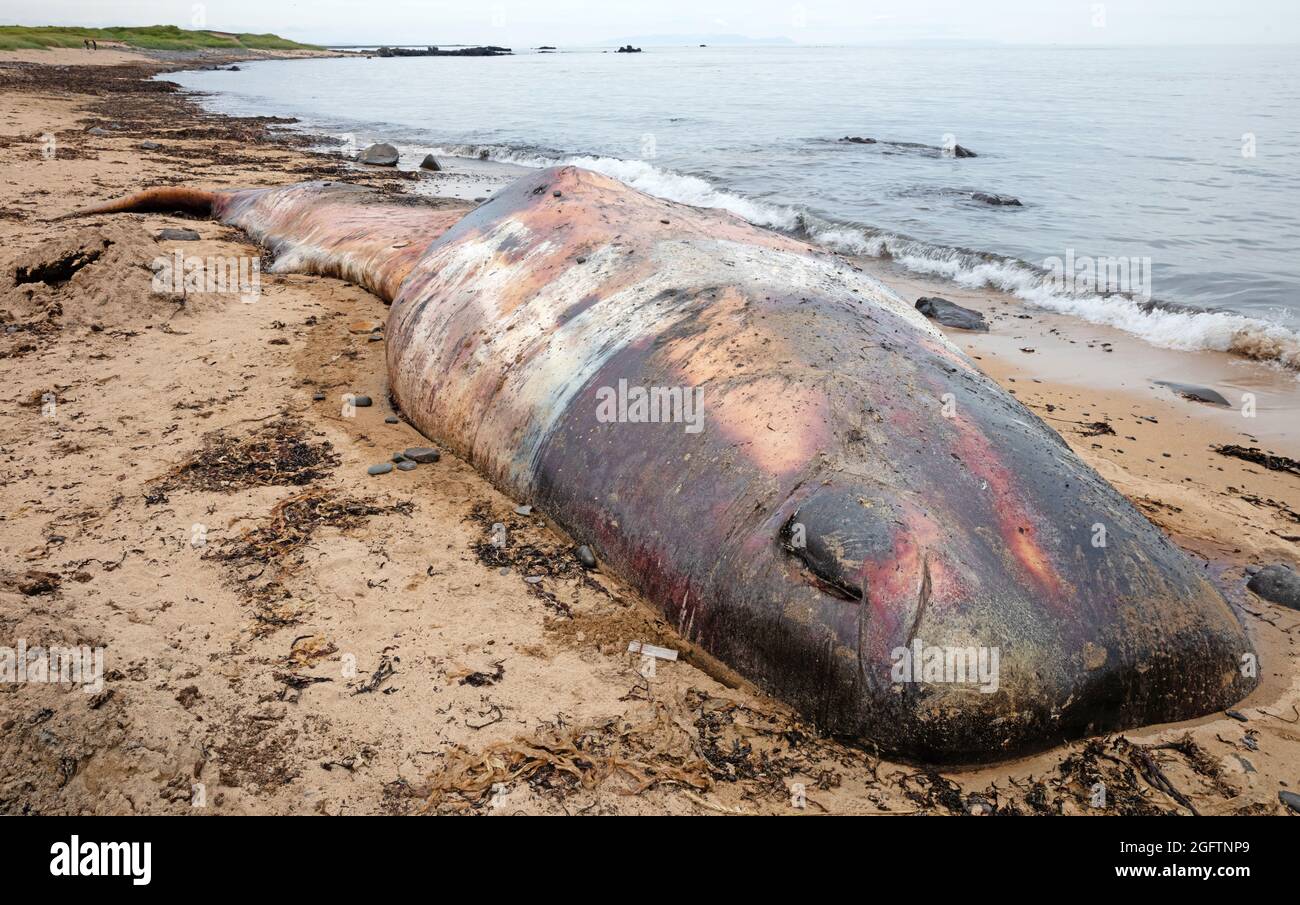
{"x":852,"y":488}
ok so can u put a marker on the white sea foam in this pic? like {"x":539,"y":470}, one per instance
{"x":1171,"y":328}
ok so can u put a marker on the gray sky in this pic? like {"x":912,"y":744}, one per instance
{"x":575,"y":22}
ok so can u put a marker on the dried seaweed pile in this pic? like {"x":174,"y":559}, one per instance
{"x":278,"y":454}
{"x":267,"y":556}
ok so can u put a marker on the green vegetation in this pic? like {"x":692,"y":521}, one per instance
{"x":151,"y":37}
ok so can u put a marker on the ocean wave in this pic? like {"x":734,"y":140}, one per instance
{"x":1167,"y":326}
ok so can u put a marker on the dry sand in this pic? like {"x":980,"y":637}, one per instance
{"x":284,"y":634}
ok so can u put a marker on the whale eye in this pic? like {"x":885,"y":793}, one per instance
{"x":828,"y":571}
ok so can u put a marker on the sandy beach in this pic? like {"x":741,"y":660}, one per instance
{"x":285,"y":634}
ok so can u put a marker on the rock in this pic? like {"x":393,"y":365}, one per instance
{"x":379,"y":155}
{"x":429,"y":163}
{"x":392,"y":419}
{"x":1290,"y":799}
{"x":959,"y":151}
{"x":586,"y":557}
{"x":365,"y":326}
{"x":375,"y":338}
{"x":628,"y":48}
{"x":96,"y":130}
{"x":858,"y":140}
{"x":381,"y":468}
{"x":362,"y":402}
{"x":523,"y":510}
{"x":406,"y":465}
{"x":1237,"y":715}
{"x":996,"y":200}
{"x":951,"y":314}
{"x":1277,"y":583}
{"x":425,"y":455}
{"x":1195,"y":393}
{"x":149,"y":146}
{"x":177,"y":235}
{"x":397,"y":457}
{"x":317,"y":397}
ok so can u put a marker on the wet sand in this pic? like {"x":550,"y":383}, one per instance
{"x":339,"y":643}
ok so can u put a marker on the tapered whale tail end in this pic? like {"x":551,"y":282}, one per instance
{"x":164,"y":199}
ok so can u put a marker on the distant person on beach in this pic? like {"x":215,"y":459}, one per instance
{"x":94,"y":45}
{"x":86,"y":43}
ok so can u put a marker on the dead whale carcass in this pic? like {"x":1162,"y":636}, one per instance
{"x":785,"y":458}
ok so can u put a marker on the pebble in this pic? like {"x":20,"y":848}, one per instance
{"x":586,"y":557}
{"x":523,"y":510}
{"x":177,"y":235}
{"x":398,"y":457}
{"x":1290,"y":799}
{"x":375,"y":338}
{"x":381,"y":468}
{"x":149,"y":146}
{"x":533,"y":579}
{"x":425,"y":455}
{"x":1237,"y":715}
{"x":362,"y":401}
{"x":318,"y":397}
{"x":406,"y":465}
{"x":392,"y":419}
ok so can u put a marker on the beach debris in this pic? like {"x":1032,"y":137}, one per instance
{"x":425,"y":455}
{"x":177,"y":235}
{"x":430,"y":163}
{"x":1257,"y":456}
{"x":651,"y":650}
{"x":1277,"y":583}
{"x":276,"y":455}
{"x":586,"y":557}
{"x":996,"y":200}
{"x":1195,"y":393}
{"x":266,"y":557}
{"x":381,"y":468}
{"x":382,"y":673}
{"x":379,"y":155}
{"x":306,"y":650}
{"x":951,"y":314}
{"x":1290,"y":799}
{"x":483,"y":679}
{"x":1096,"y":429}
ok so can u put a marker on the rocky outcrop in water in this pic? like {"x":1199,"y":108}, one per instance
{"x":954,"y":151}
{"x":431,"y":51}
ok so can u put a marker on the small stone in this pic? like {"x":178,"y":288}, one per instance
{"x":533,"y":579}
{"x":317,"y":397}
{"x":1237,"y":715}
{"x":375,"y":338}
{"x":429,"y":163}
{"x":362,"y":402}
{"x":425,"y":455}
{"x":96,"y":130}
{"x":177,"y":235}
{"x":149,"y":146}
{"x":406,"y":465}
{"x":1290,"y":799}
{"x":523,"y":510}
{"x":586,"y":557}
{"x":398,"y":457}
{"x":392,"y":419}
{"x":381,"y":468}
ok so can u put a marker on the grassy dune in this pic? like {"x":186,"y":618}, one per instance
{"x":151,"y":37}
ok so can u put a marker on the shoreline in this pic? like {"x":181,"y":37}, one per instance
{"x":146,"y":390}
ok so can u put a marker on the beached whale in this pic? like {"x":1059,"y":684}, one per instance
{"x":783,"y":456}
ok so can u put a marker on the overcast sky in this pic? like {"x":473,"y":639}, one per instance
{"x":576,"y":22}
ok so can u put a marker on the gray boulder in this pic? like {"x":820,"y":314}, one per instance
{"x":429,"y":163}
{"x":1277,"y":583}
{"x":380,"y":155}
{"x":951,"y":314}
